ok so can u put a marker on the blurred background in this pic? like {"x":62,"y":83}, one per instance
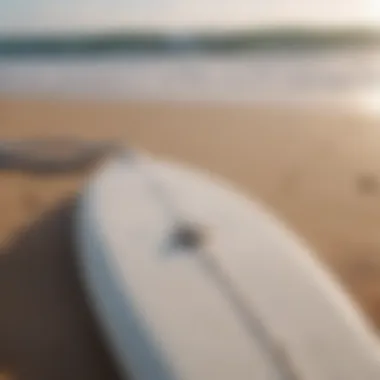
{"x":278,"y":52}
{"x":282,"y":97}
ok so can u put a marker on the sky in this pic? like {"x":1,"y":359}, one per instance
{"x":35,"y":16}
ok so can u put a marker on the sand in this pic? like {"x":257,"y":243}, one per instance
{"x":318,"y":171}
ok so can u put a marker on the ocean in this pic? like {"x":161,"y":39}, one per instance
{"x":343,"y":77}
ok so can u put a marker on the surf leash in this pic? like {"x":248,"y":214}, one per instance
{"x":52,"y":156}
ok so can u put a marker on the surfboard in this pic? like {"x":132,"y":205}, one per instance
{"x":191,"y":279}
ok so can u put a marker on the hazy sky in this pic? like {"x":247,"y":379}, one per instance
{"x":42,"y":15}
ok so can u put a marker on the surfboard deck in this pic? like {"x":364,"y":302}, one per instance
{"x":190,"y":279}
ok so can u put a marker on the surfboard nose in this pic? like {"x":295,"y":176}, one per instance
{"x":248,"y":301}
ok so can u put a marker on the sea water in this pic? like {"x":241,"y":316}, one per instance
{"x":339,"y":77}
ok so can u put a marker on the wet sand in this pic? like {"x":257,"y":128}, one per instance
{"x":319,"y":172}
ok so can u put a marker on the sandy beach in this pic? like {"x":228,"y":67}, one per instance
{"x":318,"y":171}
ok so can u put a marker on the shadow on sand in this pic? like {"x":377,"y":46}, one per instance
{"x":46,"y":328}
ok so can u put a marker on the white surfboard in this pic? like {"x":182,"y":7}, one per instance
{"x":192,"y":280}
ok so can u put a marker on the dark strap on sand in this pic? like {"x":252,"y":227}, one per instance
{"x":53,"y":155}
